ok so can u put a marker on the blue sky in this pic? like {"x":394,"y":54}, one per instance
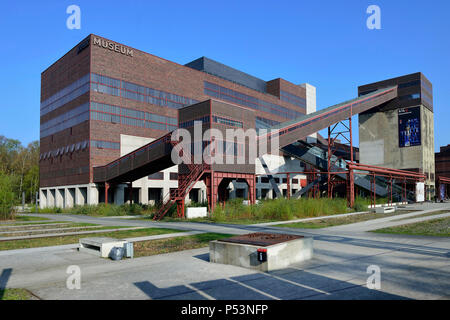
{"x":324,"y":43}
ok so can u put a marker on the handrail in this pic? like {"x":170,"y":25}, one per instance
{"x":395,"y":172}
{"x":148,"y":145}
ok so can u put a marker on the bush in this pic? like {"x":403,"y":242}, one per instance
{"x":279,"y":209}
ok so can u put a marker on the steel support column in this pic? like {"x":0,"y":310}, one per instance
{"x":106,"y":192}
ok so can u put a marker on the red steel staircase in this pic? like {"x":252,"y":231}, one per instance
{"x":185,"y":184}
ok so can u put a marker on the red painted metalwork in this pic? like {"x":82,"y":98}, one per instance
{"x":386,"y":172}
{"x":106,"y":192}
{"x":346,"y":135}
{"x":185,"y":184}
{"x":218,"y":177}
{"x":288,"y":185}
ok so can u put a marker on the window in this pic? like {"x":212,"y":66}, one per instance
{"x":173,"y":176}
{"x":227,"y":122}
{"x":105,"y":144}
{"x":226,"y":94}
{"x":65,"y":95}
{"x":156,"y":176}
{"x":137,"y":92}
{"x":131,"y":117}
{"x":293,"y":99}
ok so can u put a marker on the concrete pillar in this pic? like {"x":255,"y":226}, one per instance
{"x":165,"y":193}
{"x":143,"y":194}
{"x":51,"y":198}
{"x":70,"y":197}
{"x":119,"y":194}
{"x":59,"y":198}
{"x":43,"y":198}
{"x":92,"y":194}
{"x":81,"y":196}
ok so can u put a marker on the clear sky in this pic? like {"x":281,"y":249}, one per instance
{"x":324,"y":43}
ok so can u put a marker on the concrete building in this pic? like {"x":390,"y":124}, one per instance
{"x":102,"y":100}
{"x":400,"y":133}
{"x":442,"y":159}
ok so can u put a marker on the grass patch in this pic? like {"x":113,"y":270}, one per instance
{"x":433,"y":227}
{"x":28,"y":224}
{"x":30,"y":218}
{"x":424,"y":215}
{"x":80,"y":228}
{"x":153,"y":247}
{"x":55,"y":241}
{"x":104,"y":210}
{"x":16,"y":294}
{"x":331,"y":222}
{"x":235,"y":212}
{"x":24,"y":218}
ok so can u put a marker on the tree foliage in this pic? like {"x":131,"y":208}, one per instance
{"x":19,"y":171}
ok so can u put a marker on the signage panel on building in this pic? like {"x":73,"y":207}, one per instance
{"x":409,"y":134}
{"x":420,"y":192}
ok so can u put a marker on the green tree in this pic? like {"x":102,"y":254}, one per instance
{"x":7,"y":196}
{"x":21,"y":165}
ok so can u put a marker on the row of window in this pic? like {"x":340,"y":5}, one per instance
{"x":160,"y":176}
{"x":65,"y":150}
{"x":190,"y":123}
{"x":228,"y":148}
{"x":65,"y":95}
{"x":227,"y":122}
{"x":422,"y":83}
{"x":277,"y":180}
{"x":427,"y":98}
{"x":269,"y":122}
{"x":133,"y":91}
{"x":219,"y":147}
{"x":115,"y":114}
{"x":67,"y":120}
{"x":233,"y":96}
{"x":99,"y":144}
{"x":293,"y":99}
{"x":112,"y":118}
{"x":412,"y":96}
{"x":80,"y":146}
{"x":116,"y":87}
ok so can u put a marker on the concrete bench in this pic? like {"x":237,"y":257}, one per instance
{"x":100,"y":246}
{"x":385,"y":209}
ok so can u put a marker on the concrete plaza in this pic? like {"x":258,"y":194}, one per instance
{"x":412,"y":267}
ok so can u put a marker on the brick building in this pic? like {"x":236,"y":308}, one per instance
{"x":102,"y":100}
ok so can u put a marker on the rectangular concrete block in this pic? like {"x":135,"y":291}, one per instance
{"x":100,"y":245}
{"x":385,"y":209}
{"x":196,"y":212}
{"x":279,"y":256}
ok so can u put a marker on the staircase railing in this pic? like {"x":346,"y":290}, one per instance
{"x":185,"y":185}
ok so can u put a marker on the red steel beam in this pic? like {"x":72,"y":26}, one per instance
{"x":396,"y":172}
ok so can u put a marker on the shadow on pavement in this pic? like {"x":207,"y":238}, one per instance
{"x":4,"y":277}
{"x":287,"y":284}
